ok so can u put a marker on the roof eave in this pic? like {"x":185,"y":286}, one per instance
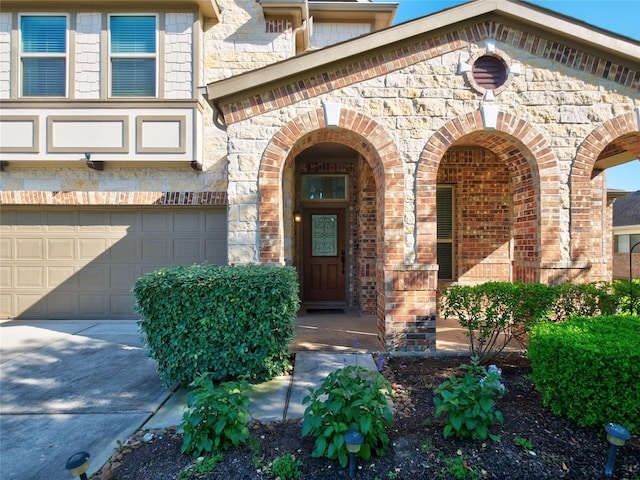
{"x":537,"y":18}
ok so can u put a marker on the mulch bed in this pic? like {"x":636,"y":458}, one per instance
{"x":560,"y":448}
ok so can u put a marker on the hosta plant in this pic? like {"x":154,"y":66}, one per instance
{"x":351,"y":398}
{"x":216,"y":416}
{"x":467,"y":404}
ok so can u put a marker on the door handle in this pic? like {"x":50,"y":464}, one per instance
{"x":342,"y":257}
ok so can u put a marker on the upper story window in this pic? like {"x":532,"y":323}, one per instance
{"x":133,"y":55}
{"x":43,"y":55}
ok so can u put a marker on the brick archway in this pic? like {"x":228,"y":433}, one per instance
{"x":356,"y":131}
{"x":533,"y":169}
{"x":372,"y":142}
{"x":586,"y":231}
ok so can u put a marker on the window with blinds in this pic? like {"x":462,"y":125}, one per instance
{"x":444,"y":211}
{"x":43,"y":55}
{"x":133,"y":51}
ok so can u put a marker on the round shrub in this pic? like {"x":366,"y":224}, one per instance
{"x":588,"y":368}
{"x":228,"y":321}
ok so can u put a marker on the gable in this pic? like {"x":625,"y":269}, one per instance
{"x":530,"y":29}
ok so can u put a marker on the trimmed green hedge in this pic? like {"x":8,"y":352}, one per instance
{"x":588,"y":369}
{"x":233,"y":322}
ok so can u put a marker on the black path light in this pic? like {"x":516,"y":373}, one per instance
{"x":617,"y":436}
{"x":353,"y":439}
{"x":78,"y":464}
{"x":631,"y":302}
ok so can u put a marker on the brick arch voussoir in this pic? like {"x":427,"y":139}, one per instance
{"x":580,"y":178}
{"x":594,"y":143}
{"x":355,"y":130}
{"x":539,"y":162}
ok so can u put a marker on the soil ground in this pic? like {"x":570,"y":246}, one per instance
{"x":559,"y":448}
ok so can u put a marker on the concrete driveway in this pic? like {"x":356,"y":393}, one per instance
{"x":69,"y":386}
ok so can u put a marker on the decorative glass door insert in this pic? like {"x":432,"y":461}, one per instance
{"x":324,"y":235}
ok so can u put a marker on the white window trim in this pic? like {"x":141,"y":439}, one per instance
{"x":64,"y":55}
{"x":111,"y":55}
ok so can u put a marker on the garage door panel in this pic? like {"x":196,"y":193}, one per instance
{"x":122,"y":304}
{"x":65,"y":264}
{"x":213,"y":253}
{"x":6,"y":248}
{"x":30,"y":277}
{"x":184,"y":250}
{"x":124,"y":249}
{"x":6,"y":305}
{"x":94,"y":277}
{"x":30,"y":221}
{"x":188,"y":221}
{"x":62,"y":222}
{"x":32,"y":304}
{"x":61,"y":248}
{"x":62,"y":277}
{"x":156,"y":250}
{"x":93,"y":221}
{"x":127,"y":222}
{"x":92,"y":305}
{"x":30,"y":249}
{"x":91,"y":248}
{"x":157,"y":222}
{"x":6,"y":276}
{"x":122,"y":277}
{"x":62,"y":305}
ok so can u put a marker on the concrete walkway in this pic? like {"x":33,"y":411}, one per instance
{"x":70,"y":386}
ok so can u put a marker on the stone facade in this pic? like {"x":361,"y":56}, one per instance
{"x":529,"y":203}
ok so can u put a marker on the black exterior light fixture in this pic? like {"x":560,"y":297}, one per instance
{"x":353,"y":439}
{"x":617,"y":435}
{"x":632,"y":303}
{"x":78,"y":464}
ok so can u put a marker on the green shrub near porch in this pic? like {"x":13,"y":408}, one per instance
{"x":588,"y":369}
{"x":229,"y":321}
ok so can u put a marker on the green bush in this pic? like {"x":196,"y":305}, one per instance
{"x":467,"y":403}
{"x":495,"y":313}
{"x":624,"y":291}
{"x":233,"y":322}
{"x":216,"y":416}
{"x":588,"y":368}
{"x":351,"y":398}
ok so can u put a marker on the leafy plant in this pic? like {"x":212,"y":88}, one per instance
{"x":230,"y":321}
{"x":206,"y":465}
{"x":216,"y":416}
{"x":523,"y":442}
{"x":467,"y":403}
{"x":351,"y":398}
{"x":459,"y":469}
{"x":286,"y":467}
{"x":588,"y":369}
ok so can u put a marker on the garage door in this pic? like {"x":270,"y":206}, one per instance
{"x":82,"y":264}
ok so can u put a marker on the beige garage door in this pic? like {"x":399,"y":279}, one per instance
{"x":82,"y":264}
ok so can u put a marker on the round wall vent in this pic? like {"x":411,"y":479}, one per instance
{"x":489,"y":72}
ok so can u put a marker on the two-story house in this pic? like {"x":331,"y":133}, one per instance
{"x":381,"y":161}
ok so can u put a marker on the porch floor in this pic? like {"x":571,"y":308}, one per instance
{"x":331,"y":331}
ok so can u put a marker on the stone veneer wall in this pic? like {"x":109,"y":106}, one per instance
{"x":409,"y":106}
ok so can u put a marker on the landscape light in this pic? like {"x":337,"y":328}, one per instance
{"x":78,"y":464}
{"x":617,"y":435}
{"x":353,"y":439}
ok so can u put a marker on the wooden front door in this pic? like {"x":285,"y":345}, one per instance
{"x":324,"y":255}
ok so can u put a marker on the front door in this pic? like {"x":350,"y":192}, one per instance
{"x":324,"y":253}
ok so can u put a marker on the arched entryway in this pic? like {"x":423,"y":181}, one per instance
{"x":590,"y":215}
{"x":374,"y":166}
{"x":499,"y":187}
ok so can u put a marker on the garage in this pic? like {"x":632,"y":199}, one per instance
{"x":81,"y":263}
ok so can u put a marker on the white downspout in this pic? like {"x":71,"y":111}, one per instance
{"x":301,"y":28}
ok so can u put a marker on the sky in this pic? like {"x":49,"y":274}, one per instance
{"x":618,"y":16}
